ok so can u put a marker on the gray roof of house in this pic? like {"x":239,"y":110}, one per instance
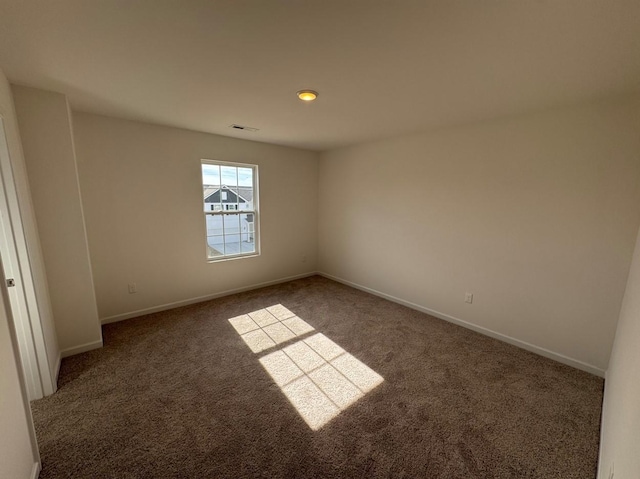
{"x":244,"y":191}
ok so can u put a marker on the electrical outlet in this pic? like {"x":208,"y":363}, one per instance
{"x":468,"y":298}
{"x":133,"y":288}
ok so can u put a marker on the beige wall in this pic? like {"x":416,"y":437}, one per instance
{"x":18,"y":450}
{"x":621,"y":411}
{"x":142,"y":198}
{"x":30,"y":251}
{"x":536,"y":216}
{"x":45,"y":127}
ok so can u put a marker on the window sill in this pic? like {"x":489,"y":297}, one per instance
{"x":232,"y":257}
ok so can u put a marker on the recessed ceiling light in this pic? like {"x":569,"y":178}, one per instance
{"x":307,"y":95}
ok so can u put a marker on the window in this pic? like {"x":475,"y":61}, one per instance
{"x":230,"y":192}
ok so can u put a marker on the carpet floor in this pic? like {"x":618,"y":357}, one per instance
{"x":351,"y":386}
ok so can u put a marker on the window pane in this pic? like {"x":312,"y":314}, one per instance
{"x":214,"y":225}
{"x":211,"y":187}
{"x":247,"y":233}
{"x":231,"y":202}
{"x":210,"y":174}
{"x":231,"y":234}
{"x":247,"y":247}
{"x":229,"y":175}
{"x":245,"y":189}
{"x":245,"y":198}
{"x":215,"y":246}
{"x":245,"y":176}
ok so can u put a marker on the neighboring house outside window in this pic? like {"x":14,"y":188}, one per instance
{"x":230,"y":208}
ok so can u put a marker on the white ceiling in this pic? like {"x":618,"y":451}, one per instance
{"x":382,"y":67}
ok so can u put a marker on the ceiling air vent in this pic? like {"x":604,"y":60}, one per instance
{"x":245,"y":128}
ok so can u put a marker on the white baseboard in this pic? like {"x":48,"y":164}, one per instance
{"x":35,"y":471}
{"x":199,"y":299}
{"x":479,"y":329}
{"x":81,"y":349}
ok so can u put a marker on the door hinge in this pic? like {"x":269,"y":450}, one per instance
{"x":11,"y":283}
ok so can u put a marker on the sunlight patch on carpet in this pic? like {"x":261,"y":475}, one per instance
{"x":318,"y":377}
{"x":265,"y":328}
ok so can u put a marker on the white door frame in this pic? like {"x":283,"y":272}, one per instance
{"x":22,"y":297}
{"x":5,"y":310}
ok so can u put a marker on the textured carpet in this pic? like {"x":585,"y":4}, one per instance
{"x":181,"y":394}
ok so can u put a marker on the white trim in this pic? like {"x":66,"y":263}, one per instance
{"x":65,"y":353}
{"x":200,"y":299}
{"x":35,"y":471}
{"x":16,"y":265}
{"x":479,"y":329}
{"x":255,"y":211}
{"x":4,"y":305}
{"x":57,"y":370}
{"x":230,"y":257}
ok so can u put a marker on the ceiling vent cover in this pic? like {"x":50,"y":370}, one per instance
{"x":241,"y":127}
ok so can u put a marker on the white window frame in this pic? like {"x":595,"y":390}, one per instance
{"x":224,"y":212}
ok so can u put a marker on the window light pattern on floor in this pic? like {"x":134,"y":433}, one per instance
{"x":319,"y":378}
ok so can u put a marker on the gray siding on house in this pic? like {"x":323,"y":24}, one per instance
{"x":232,"y":197}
